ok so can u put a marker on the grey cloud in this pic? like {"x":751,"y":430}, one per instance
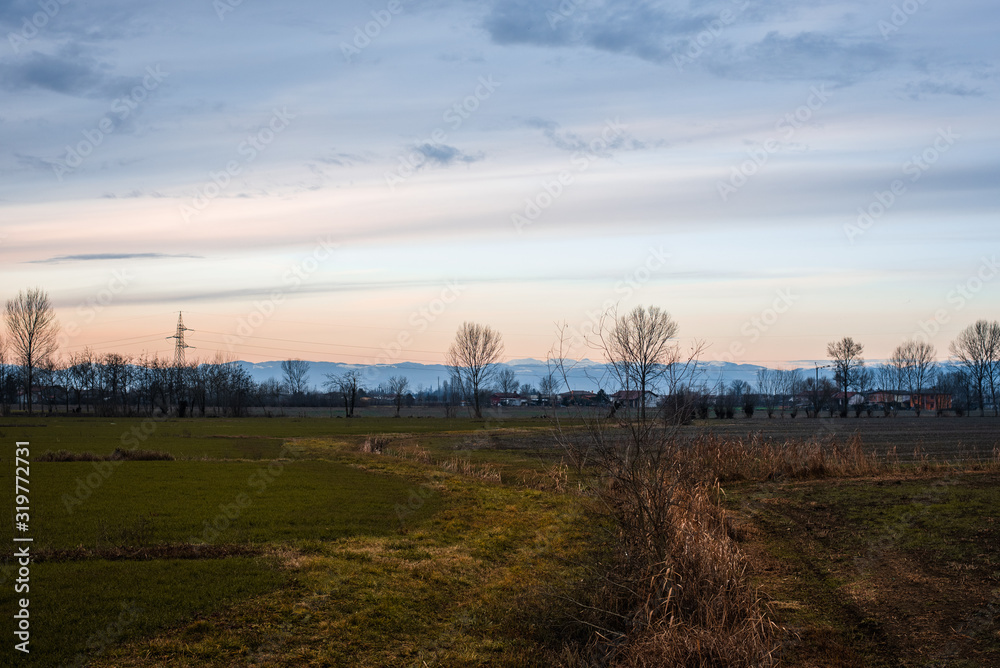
{"x":919,"y":89}
{"x":442,"y":154}
{"x":340,"y":159}
{"x":70,"y":72}
{"x":655,"y":33}
{"x":96,"y":257}
{"x":135,"y":193}
{"x":572,"y":142}
{"x":34,"y":162}
{"x":375,"y":286}
{"x":643,"y":29}
{"x":805,"y":56}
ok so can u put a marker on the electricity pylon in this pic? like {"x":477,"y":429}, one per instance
{"x":180,"y":347}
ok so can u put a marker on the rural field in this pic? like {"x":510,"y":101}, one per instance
{"x":311,"y":541}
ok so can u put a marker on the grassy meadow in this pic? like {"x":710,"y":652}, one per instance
{"x":430,"y":542}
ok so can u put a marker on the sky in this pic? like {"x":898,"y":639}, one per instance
{"x":352,"y":181}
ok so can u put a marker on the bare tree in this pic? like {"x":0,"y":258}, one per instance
{"x":914,"y":362}
{"x":296,"y":373}
{"x":451,"y":395}
{"x":847,"y":364}
{"x":113,"y":381}
{"x":789,"y":386}
{"x":5,"y":377}
{"x":769,"y":385}
{"x":887,"y":376}
{"x":640,"y":348}
{"x":398,"y":386}
{"x":957,"y":384}
{"x":507,"y":381}
{"x":977,"y":351}
{"x":548,"y":385}
{"x":863,"y":380}
{"x":33,"y":330}
{"x":473,"y":358}
{"x":725,"y":407}
{"x":347,"y":384}
{"x":270,"y":391}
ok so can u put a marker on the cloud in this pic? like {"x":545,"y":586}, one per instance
{"x":572,"y":142}
{"x":34,"y":162}
{"x":920,"y":89}
{"x":802,"y":56}
{"x":444,"y":155}
{"x":586,"y":277}
{"x":342,"y":159}
{"x":96,"y":257}
{"x":70,"y":72}
{"x":644,"y":29}
{"x":708,"y":36}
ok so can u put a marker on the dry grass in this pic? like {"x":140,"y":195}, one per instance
{"x":672,"y":587}
{"x":690,"y":606}
{"x":468,"y":468}
{"x":381,"y":444}
{"x":374,"y":444}
{"x":754,"y":457}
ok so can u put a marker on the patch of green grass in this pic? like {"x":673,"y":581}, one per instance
{"x":390,"y":562}
{"x":79,"y":610}
{"x":227,"y":438}
{"x":429,"y":595}
{"x":215,"y":502}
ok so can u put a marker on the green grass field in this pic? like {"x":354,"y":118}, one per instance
{"x":278,"y":542}
{"x":207,"y":557}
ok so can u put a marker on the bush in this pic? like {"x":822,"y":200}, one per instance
{"x":671,"y":588}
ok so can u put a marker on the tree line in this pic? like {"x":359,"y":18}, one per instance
{"x":644,"y":362}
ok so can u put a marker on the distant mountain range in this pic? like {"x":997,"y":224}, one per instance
{"x":581,"y":375}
